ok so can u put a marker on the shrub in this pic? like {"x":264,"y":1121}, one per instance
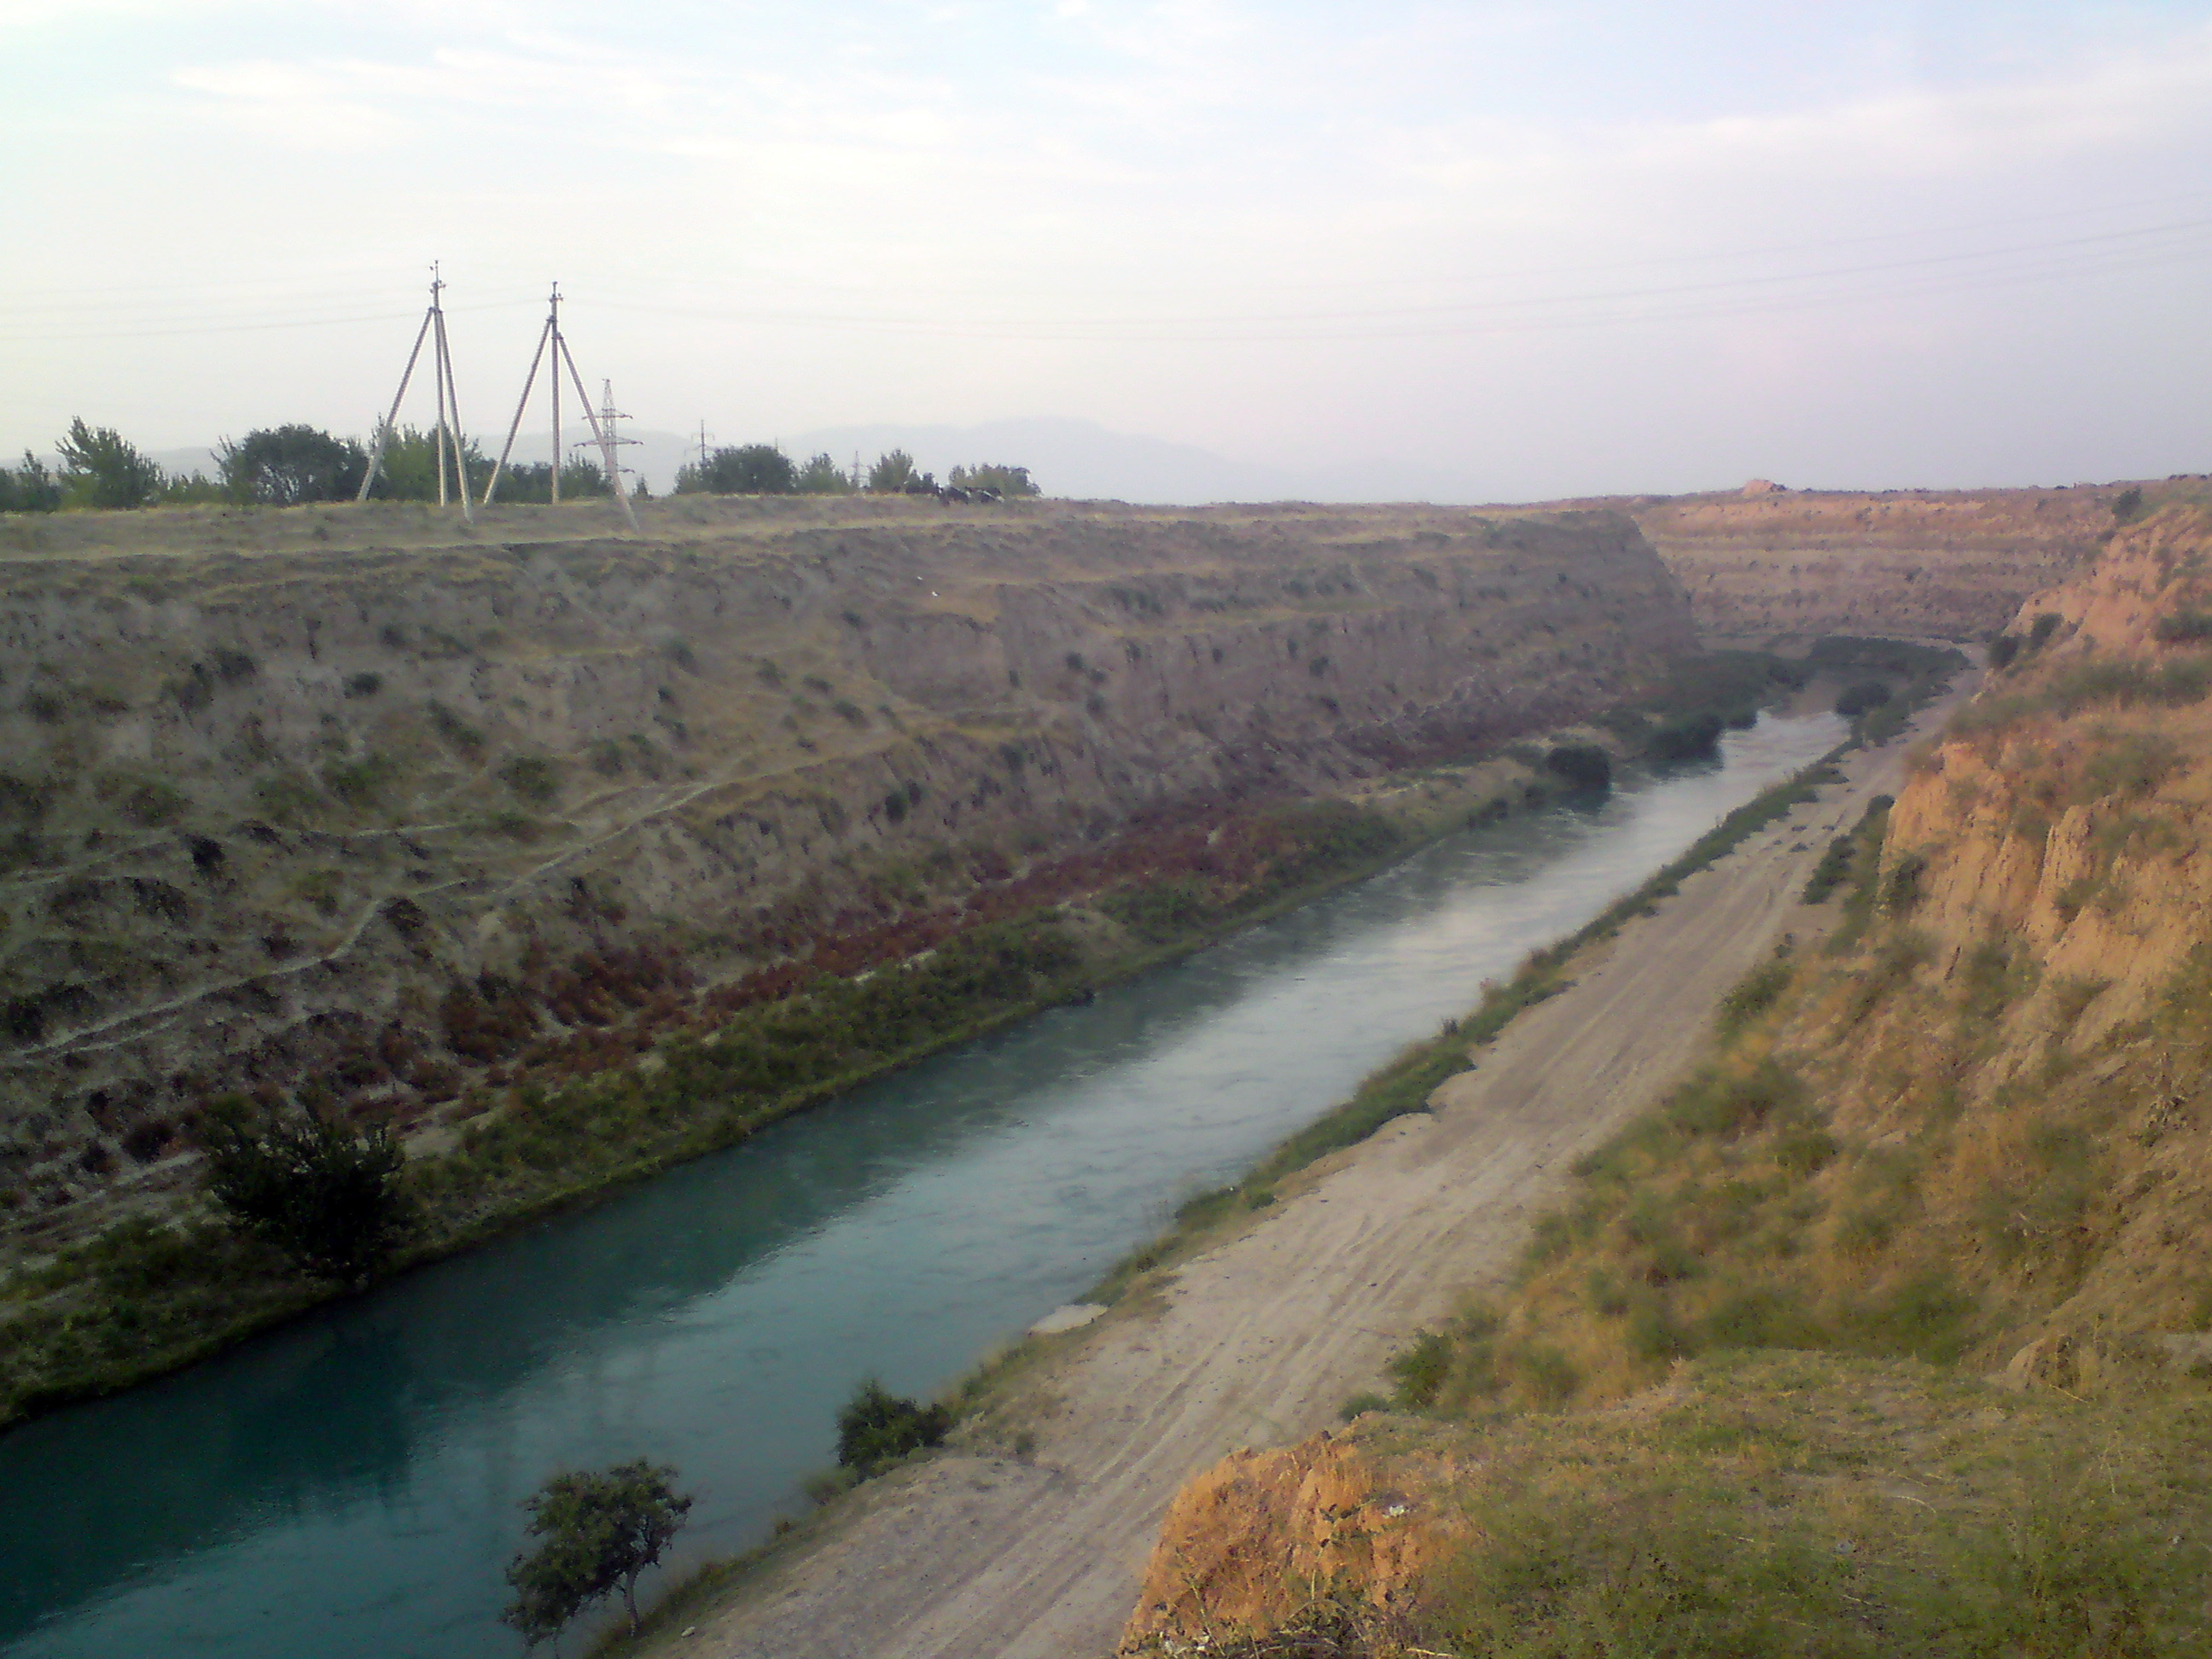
{"x":455,"y":730}
{"x":359,"y":783}
{"x":533,"y":777}
{"x":877,"y":1428}
{"x":1421,"y":1371}
{"x":152,"y":804}
{"x":2182,"y":627}
{"x":29,"y":488}
{"x":1900,"y":888}
{"x":1861,"y":697}
{"x":1830,"y":872}
{"x":1691,"y":737}
{"x":1753,"y":995}
{"x":1713,"y":1104}
{"x":1583,"y":765}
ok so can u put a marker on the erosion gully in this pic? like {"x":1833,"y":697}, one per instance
{"x":349,"y":1485}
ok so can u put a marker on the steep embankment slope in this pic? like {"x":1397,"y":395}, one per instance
{"x":356,"y":794}
{"x":1767,"y":567}
{"x":1951,"y":1171}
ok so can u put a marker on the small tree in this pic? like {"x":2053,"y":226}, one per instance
{"x":409,"y":471}
{"x":101,"y":468}
{"x":820,"y":477}
{"x":1009,"y":481}
{"x":891,"y":473}
{"x":532,"y":481}
{"x":284,"y":465}
{"x":325,"y":1195}
{"x":600,"y":1531}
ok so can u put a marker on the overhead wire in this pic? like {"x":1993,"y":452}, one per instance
{"x":1750,"y":293}
{"x":2116,"y":251}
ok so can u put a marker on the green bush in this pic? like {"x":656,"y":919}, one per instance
{"x":1751,"y":996}
{"x":877,"y":1428}
{"x":1421,"y":1371}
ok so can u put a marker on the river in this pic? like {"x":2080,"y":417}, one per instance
{"x":347,"y":1487}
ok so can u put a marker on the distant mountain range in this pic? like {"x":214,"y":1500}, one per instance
{"x":1070,"y":458}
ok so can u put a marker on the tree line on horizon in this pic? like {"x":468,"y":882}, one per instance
{"x":765,"y":469}
{"x":101,"y":470}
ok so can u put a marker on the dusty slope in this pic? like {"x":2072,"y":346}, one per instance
{"x":280,"y":789}
{"x":1258,"y":1342}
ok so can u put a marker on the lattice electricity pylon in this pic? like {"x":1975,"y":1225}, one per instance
{"x":550,"y":335}
{"x":448,"y":436}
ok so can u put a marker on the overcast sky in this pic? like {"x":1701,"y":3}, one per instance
{"x":1546,"y":248}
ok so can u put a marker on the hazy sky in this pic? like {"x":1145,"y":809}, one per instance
{"x":1566,"y":247}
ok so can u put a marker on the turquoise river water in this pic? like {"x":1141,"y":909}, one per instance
{"x":347,"y":1487}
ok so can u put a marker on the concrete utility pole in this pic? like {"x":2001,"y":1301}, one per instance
{"x":448,"y":430}
{"x":551,"y":337}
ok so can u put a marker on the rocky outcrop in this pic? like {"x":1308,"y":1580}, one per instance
{"x":298,"y":793}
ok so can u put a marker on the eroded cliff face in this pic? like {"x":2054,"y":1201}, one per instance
{"x":1788,"y":565}
{"x":282,"y":790}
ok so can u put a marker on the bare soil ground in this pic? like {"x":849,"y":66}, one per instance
{"x":1260,"y":1339}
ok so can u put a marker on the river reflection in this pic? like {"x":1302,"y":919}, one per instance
{"x":348,"y":1485}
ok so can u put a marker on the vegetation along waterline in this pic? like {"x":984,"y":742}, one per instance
{"x":146,"y":1296}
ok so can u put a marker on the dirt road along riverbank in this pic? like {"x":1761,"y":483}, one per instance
{"x":1259,"y":1340}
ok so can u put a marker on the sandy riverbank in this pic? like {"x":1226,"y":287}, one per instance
{"x":1260,"y":1339}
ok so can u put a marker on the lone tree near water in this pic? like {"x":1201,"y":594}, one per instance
{"x":601,"y":1530}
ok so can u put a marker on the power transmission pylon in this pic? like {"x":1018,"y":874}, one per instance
{"x":603,"y":429}
{"x":441,"y":361}
{"x":551,"y":336}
